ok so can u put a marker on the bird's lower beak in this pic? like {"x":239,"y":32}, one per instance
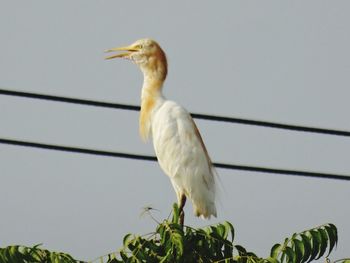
{"x":121,"y":55}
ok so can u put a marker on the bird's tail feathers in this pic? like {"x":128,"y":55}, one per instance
{"x":205,"y":211}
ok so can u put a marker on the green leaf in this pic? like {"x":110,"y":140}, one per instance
{"x":332,"y":237}
{"x":228,"y":249}
{"x":275,"y":250}
{"x":286,"y":241}
{"x":126,"y":239}
{"x":164,"y":236}
{"x":229,"y":229}
{"x":316,"y":241}
{"x":290,"y":254}
{"x":299,"y":250}
{"x":334,"y":228}
{"x":323,"y":243}
{"x":123,"y":256}
{"x":283,"y":254}
{"x":175,"y":213}
{"x":178,"y":243}
{"x":53,"y":258}
{"x":241,"y":250}
{"x":221,"y":231}
{"x":35,"y":253}
{"x":307,"y":246}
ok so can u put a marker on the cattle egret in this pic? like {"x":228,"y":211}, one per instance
{"x":177,"y":142}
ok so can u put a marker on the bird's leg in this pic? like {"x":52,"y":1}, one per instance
{"x":181,"y":209}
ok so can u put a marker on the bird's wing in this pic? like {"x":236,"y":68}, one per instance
{"x":183,"y":157}
{"x":178,"y":143}
{"x":202,"y":143}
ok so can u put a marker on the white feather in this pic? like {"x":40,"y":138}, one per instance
{"x":182,"y":157}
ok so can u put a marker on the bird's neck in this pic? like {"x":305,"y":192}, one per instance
{"x":151,"y":97}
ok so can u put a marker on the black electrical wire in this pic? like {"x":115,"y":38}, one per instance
{"x":194,"y":115}
{"x":153,"y":158}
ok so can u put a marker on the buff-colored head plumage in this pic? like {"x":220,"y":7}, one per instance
{"x":147,"y":54}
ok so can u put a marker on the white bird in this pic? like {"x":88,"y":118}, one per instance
{"x":177,"y":142}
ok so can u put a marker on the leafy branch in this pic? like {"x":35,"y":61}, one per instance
{"x":172,"y":242}
{"x":25,"y":254}
{"x":306,"y":246}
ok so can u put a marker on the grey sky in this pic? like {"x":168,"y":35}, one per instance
{"x":282,"y":61}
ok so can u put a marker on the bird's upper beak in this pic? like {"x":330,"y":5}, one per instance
{"x":129,"y":50}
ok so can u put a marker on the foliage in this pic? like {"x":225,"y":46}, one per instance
{"x":172,"y":242}
{"x":19,"y":254}
{"x":306,"y":246}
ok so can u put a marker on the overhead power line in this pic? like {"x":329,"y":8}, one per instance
{"x":194,"y":115}
{"x":153,"y":158}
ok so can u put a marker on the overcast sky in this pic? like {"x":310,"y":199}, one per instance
{"x":280,"y":61}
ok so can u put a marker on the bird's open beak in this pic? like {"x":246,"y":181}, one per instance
{"x":130,"y":49}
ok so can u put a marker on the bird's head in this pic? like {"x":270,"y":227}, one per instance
{"x":147,"y":54}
